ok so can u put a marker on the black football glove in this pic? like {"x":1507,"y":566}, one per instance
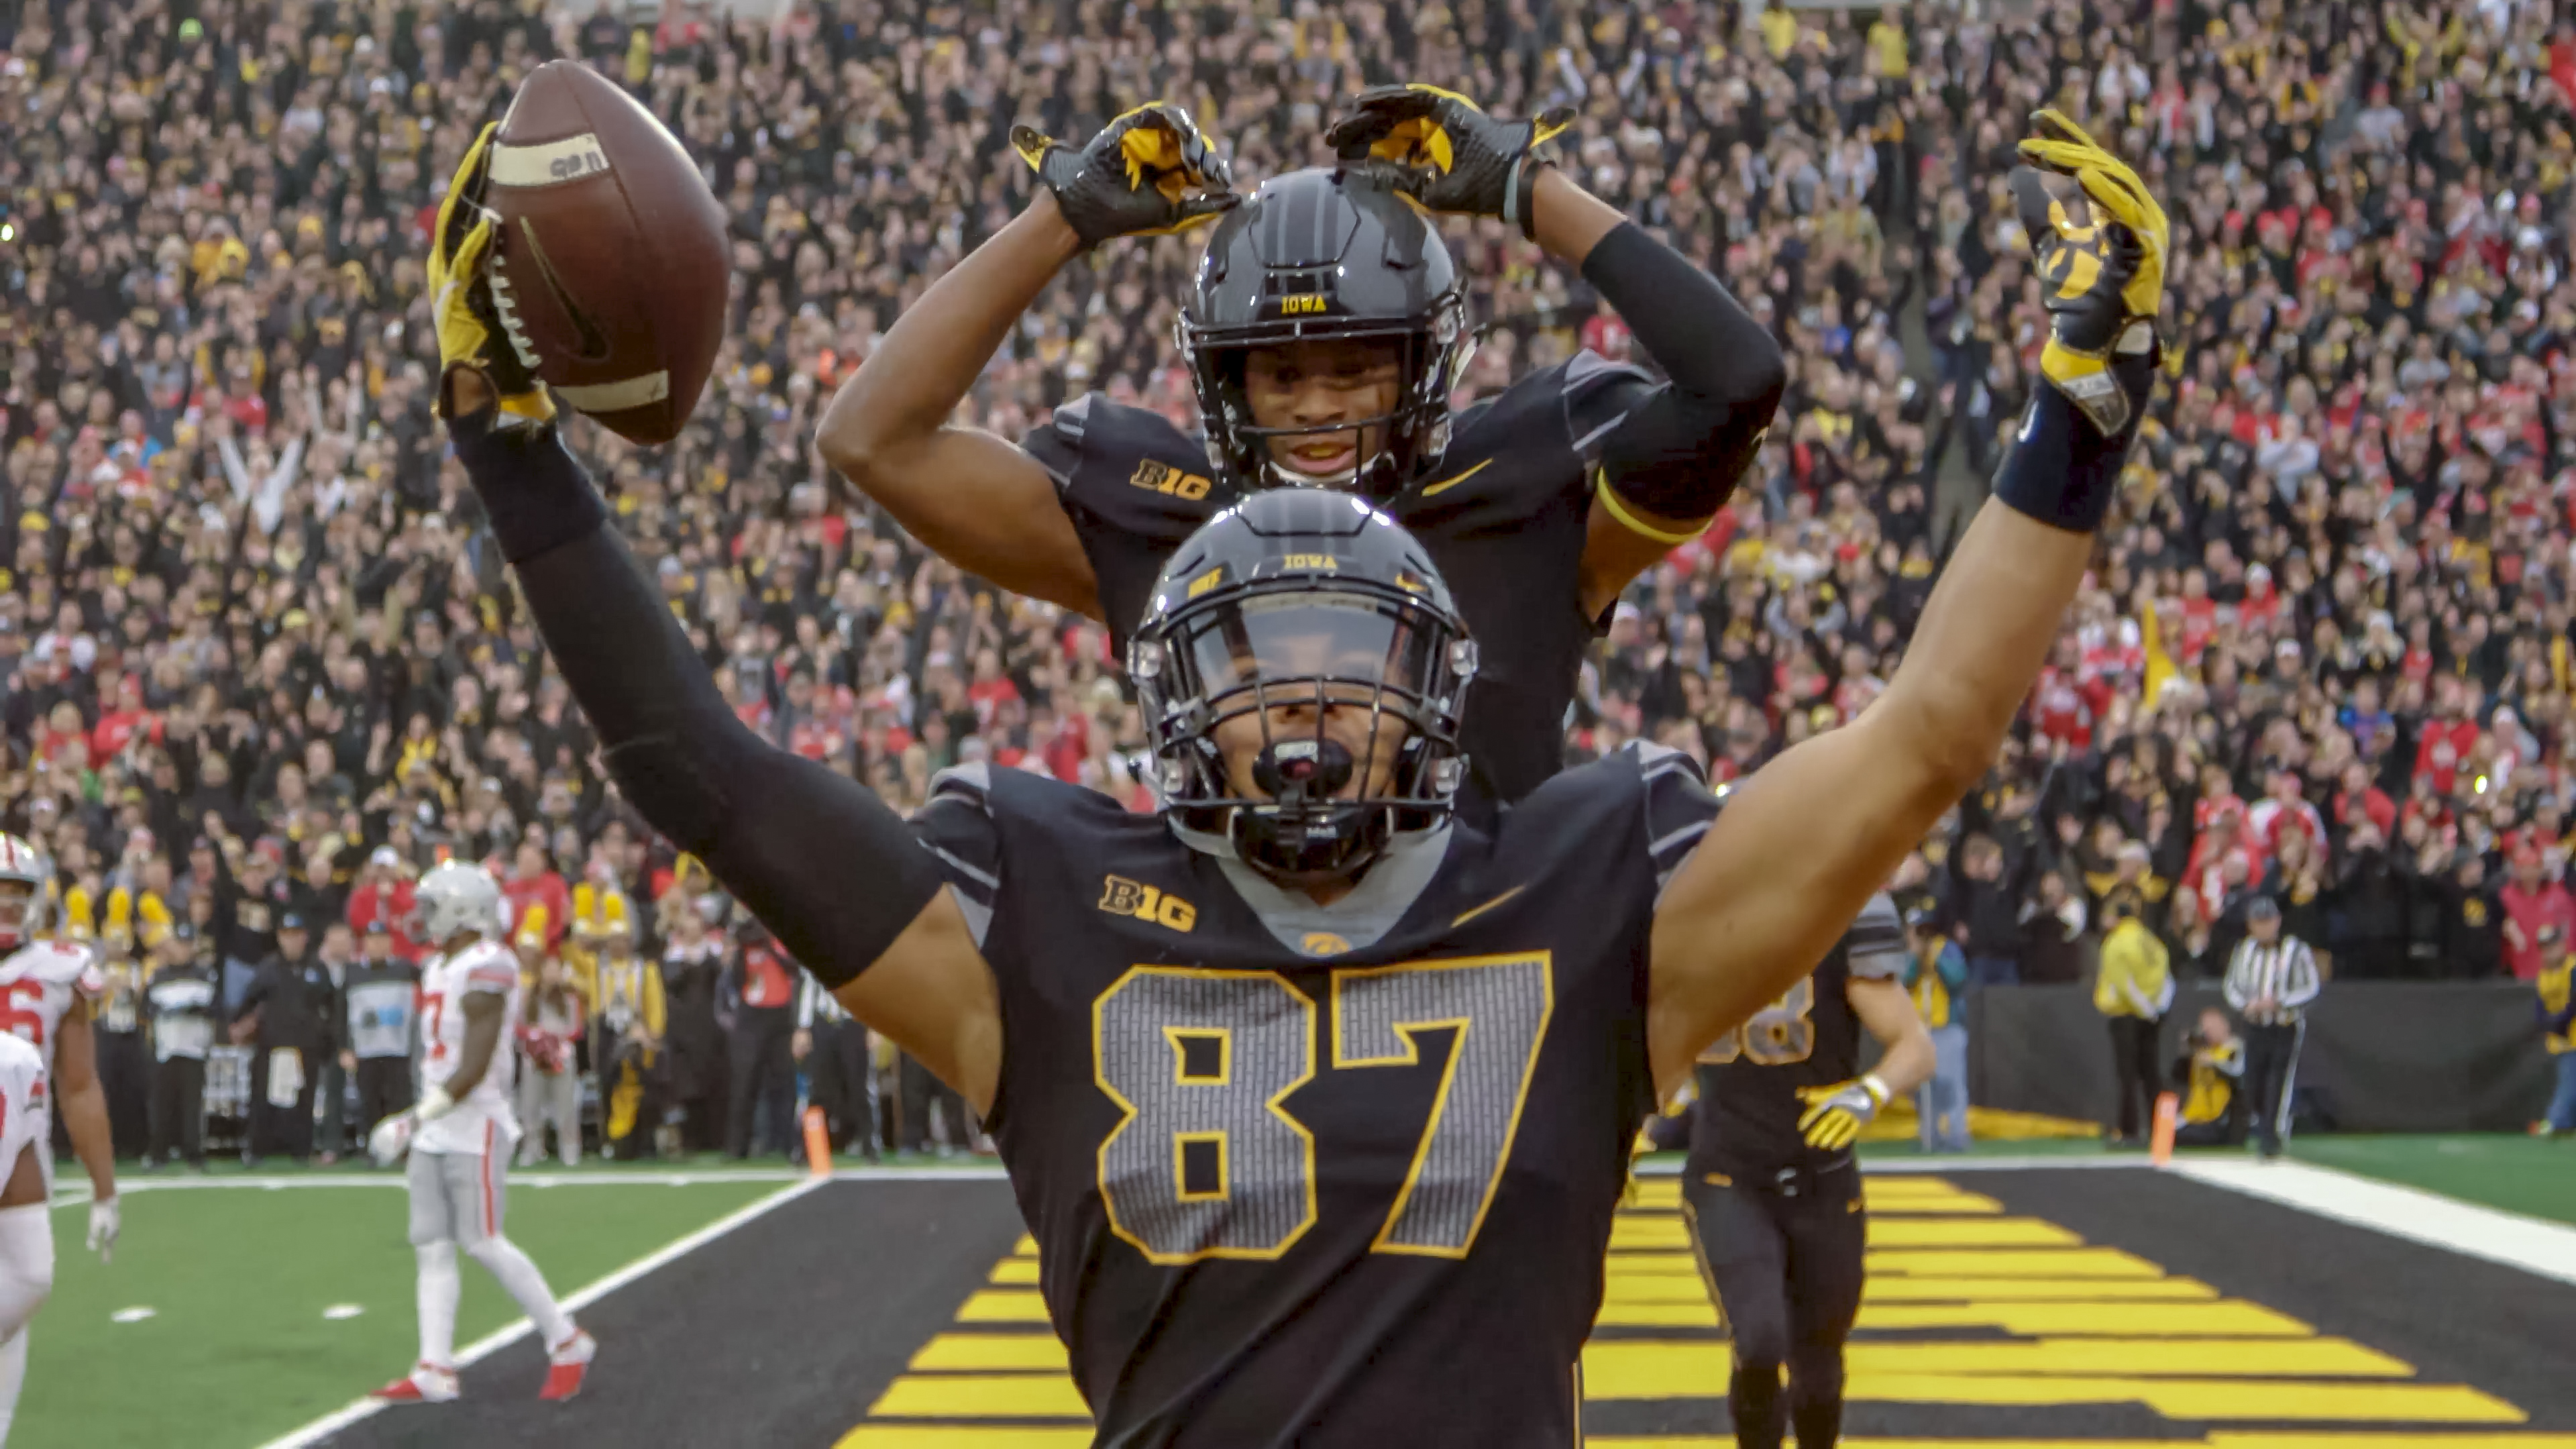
{"x":1148,"y":173}
{"x":1451,"y":155}
{"x":2101,"y":244}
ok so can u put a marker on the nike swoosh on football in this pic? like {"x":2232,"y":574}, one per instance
{"x":1455,"y":479}
{"x":1496,"y":901}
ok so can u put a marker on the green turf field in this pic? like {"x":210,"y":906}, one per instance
{"x":237,"y":1350}
{"x":2515,"y":1173}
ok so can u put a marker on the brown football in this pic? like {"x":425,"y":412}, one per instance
{"x":613,"y":263}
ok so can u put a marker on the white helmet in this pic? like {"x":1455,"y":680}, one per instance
{"x":456,"y":898}
{"x":22,"y":921}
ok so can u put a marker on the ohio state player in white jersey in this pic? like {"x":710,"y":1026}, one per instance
{"x":26,"y":1236}
{"x":461,"y":1134}
{"x":47,"y":992}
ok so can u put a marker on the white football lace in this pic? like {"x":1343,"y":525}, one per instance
{"x":505,"y":306}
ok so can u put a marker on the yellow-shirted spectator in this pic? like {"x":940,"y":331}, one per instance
{"x":2134,"y":990}
{"x":626,"y":1040}
{"x":1935,"y":975}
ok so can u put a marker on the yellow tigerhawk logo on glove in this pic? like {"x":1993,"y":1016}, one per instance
{"x":2109,"y":183}
{"x":1423,"y":141}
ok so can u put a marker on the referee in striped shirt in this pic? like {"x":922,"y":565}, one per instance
{"x":2270,"y":981}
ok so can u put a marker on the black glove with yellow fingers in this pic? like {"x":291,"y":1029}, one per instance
{"x":1835,"y":1114}
{"x":1451,"y":155}
{"x":477,"y":326}
{"x":2101,"y":243}
{"x":1148,"y":173}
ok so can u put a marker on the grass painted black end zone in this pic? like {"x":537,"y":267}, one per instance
{"x":2068,"y":1424}
{"x":780,"y":1333}
{"x":2456,"y":1319}
{"x":783,"y":1332}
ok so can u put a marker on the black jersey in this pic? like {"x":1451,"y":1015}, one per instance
{"x":1321,"y":1176}
{"x":1505,"y":516}
{"x":1747,"y":1123}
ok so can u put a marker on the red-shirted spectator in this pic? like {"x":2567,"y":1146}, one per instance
{"x":2361,"y":800}
{"x":2531,"y":901}
{"x":125,"y":719}
{"x":2446,"y":742}
{"x":384,"y":895}
{"x":2284,"y":807}
{"x":533,"y":883}
{"x":991,"y":688}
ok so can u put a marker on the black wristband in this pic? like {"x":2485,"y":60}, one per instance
{"x":538,"y":497}
{"x":1520,"y":194}
{"x":2061,"y":470}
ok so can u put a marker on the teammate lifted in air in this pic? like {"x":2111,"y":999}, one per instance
{"x":1310,"y":1093}
{"x":460,"y":1136}
{"x":1771,"y":1189}
{"x":49,"y":988}
{"x":1325,"y":331}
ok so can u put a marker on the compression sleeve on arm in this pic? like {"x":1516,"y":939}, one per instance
{"x":817,"y":856}
{"x":2062,"y":470}
{"x":1680,"y":450}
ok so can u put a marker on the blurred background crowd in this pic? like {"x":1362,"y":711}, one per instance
{"x":263,"y":663}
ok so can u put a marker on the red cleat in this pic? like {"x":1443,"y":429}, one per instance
{"x":427,"y":1383}
{"x":566,"y":1365}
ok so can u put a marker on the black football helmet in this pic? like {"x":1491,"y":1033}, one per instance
{"x":1328,"y":252}
{"x":1303,"y":597}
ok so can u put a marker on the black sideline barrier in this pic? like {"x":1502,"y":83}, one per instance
{"x":2380,"y":1056}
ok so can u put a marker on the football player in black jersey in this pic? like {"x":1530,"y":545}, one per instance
{"x":1771,"y":1189}
{"x":1325,"y":331}
{"x":1316,"y":1097}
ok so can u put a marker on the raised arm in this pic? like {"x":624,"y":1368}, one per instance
{"x":975,"y":498}
{"x":817,"y":857}
{"x":1804,"y":841}
{"x":1673,"y":452}
{"x":1668,"y":454}
{"x":980,"y":502}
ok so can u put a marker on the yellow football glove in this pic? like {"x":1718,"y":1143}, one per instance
{"x":2104,"y":270}
{"x":1451,"y":155}
{"x":1148,"y":173}
{"x":1835,"y":1114}
{"x":477,"y":326}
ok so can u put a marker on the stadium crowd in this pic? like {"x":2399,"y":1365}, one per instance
{"x":263,"y":665}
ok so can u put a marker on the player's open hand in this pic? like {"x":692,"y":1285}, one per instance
{"x":1450,"y":155}
{"x":477,"y":323}
{"x":2101,"y":241}
{"x":1835,"y":1114}
{"x":1148,"y":173}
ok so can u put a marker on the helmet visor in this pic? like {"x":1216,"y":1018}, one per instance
{"x":1353,"y":648}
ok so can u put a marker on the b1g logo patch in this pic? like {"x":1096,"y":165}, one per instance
{"x":1120,"y":896}
{"x":1156,"y":476}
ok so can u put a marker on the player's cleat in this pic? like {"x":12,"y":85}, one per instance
{"x":427,"y":1383}
{"x":566,"y":1365}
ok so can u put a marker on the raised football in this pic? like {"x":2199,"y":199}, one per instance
{"x":612,"y":263}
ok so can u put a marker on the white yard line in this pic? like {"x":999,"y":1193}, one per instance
{"x":2531,"y":1244}
{"x":74,"y":1194}
{"x":590,"y":1293}
{"x":1945,"y":1165}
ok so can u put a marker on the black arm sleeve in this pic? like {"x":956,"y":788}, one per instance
{"x":816,"y":856}
{"x":1680,"y":450}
